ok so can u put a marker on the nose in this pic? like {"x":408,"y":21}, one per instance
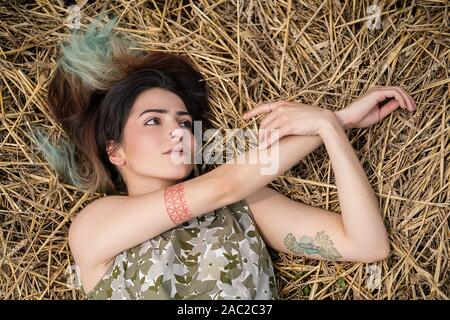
{"x":176,"y":135}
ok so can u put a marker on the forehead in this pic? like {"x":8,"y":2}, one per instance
{"x":158,"y":98}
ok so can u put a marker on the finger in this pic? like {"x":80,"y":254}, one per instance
{"x":414,"y":101}
{"x":262,"y":144}
{"x":411,"y":100}
{"x":262,"y":135}
{"x":267,"y":120}
{"x":384,"y":93}
{"x":388,"y":108}
{"x":276,"y":123}
{"x":275,"y":135}
{"x":408,"y":99}
{"x":262,"y":108}
{"x":265,"y":123}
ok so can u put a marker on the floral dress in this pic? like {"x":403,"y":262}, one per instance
{"x":219,"y":255}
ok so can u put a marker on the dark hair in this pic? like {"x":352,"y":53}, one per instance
{"x":91,"y":94}
{"x":107,"y":120}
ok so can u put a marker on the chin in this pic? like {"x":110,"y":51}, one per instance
{"x":181,"y":172}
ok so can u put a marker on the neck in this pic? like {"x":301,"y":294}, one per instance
{"x":139,"y":186}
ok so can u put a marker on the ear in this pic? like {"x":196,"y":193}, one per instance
{"x":116,"y":156}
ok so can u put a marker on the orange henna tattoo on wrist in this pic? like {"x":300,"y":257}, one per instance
{"x":176,"y":206}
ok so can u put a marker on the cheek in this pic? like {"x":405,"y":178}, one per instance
{"x":142,"y":143}
{"x":147,"y":143}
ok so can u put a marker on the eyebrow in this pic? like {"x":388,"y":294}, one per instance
{"x":180,"y":113}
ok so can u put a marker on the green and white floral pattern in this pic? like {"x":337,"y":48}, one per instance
{"x":219,"y":255}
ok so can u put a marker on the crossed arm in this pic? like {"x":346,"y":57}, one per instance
{"x":357,"y":234}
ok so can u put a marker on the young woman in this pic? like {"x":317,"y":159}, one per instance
{"x":162,"y":233}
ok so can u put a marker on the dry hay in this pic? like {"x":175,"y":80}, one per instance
{"x":310,"y":52}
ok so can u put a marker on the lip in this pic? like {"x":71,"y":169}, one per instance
{"x":174,"y":150}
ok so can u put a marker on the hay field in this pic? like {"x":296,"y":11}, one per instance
{"x":250,"y":52}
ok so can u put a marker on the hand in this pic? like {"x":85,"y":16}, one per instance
{"x":366,"y":111}
{"x":289,"y":118}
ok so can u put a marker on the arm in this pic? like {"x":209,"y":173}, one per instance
{"x":308,"y":144}
{"x":296,"y":220}
{"x":361,"y":215}
{"x":93,"y":235}
{"x":247,"y":177}
{"x":357,"y":234}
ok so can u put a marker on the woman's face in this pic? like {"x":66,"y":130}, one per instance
{"x":147,"y":137}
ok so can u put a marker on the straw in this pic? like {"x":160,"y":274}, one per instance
{"x":251,"y":52}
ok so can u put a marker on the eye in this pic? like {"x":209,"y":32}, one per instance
{"x":188,"y":123}
{"x":151,"y":120}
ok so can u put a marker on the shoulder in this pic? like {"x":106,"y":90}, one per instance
{"x":83,"y":226}
{"x":82,"y":230}
{"x":80,"y":236}
{"x":82,"y":218}
{"x":92,"y":213}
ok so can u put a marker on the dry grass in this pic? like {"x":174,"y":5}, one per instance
{"x":310,"y":52}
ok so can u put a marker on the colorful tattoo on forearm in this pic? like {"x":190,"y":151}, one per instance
{"x":321,"y":245}
{"x":175,"y":202}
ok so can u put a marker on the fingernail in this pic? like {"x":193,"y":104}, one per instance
{"x":262,"y":140}
{"x":262,"y":145}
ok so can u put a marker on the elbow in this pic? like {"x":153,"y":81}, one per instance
{"x":377,"y":255}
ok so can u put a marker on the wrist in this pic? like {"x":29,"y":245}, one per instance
{"x":330,"y":123}
{"x":342,"y":117}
